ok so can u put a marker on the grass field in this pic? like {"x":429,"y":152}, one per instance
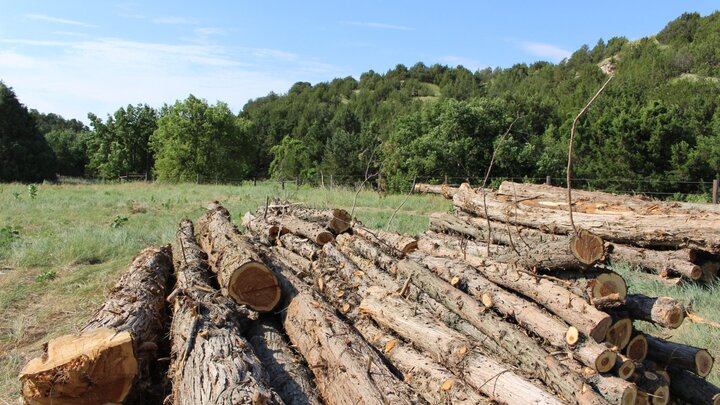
{"x":61,"y":250}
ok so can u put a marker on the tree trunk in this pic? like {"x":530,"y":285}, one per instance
{"x":212,"y":362}
{"x":479,"y":371}
{"x":662,"y":230}
{"x":662,"y":262}
{"x":309,"y":230}
{"x":442,"y":189}
{"x":526,"y":313}
{"x":392,"y":243}
{"x":266,"y":232}
{"x":663,"y":311}
{"x":575,"y":310}
{"x":691,"y":388}
{"x":299,"y":245}
{"x":240,"y":272}
{"x":347,"y":370}
{"x":336,"y":220}
{"x":112,"y":358}
{"x":680,"y":356}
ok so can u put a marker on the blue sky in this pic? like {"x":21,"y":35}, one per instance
{"x":75,"y":57}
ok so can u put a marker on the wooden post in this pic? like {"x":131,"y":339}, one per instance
{"x":332,"y":182}
{"x":715,"y":192}
{"x":282,"y":183}
{"x":254,"y":181}
{"x":197,"y":178}
{"x":445,"y":179}
{"x":548,"y":180}
{"x":322,"y":180}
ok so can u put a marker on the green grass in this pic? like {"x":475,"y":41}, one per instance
{"x":55,"y":270}
{"x":67,"y":254}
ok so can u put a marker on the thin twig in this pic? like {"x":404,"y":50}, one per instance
{"x":572,"y":137}
{"x":387,"y":228}
{"x":545,"y":277}
{"x":405,"y":286}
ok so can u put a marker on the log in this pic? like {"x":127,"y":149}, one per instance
{"x":624,"y":367}
{"x":309,"y":230}
{"x":112,"y":358}
{"x":619,"y":333}
{"x":266,"y":232}
{"x":527,"y":314}
{"x":441,"y":189}
{"x":661,"y":262}
{"x":573,"y":309}
{"x":240,"y":272}
{"x":637,"y":347}
{"x":587,"y":247}
{"x":691,"y":388}
{"x":287,"y":371}
{"x":347,"y":370}
{"x":392,"y":243}
{"x":211,"y":362}
{"x":698,"y":230}
{"x":663,"y":311}
{"x":299,"y":245}
{"x":594,"y":284}
{"x":513,"y":339}
{"x":479,"y":371}
{"x":615,"y":390}
{"x":337,"y":220}
{"x":678,"y":355}
{"x":652,"y":384}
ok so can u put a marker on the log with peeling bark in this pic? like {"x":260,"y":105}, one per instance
{"x":434,"y":337}
{"x":240,"y":272}
{"x":347,"y":370}
{"x":309,"y":230}
{"x":671,"y":230}
{"x":111,"y":359}
{"x":615,"y":390}
{"x":526,"y":313}
{"x":575,"y":310}
{"x":212,"y":363}
{"x":512,"y":338}
{"x":299,"y":245}
{"x":691,"y":388}
{"x":266,"y":232}
{"x":678,"y":355}
{"x":662,"y":262}
{"x":441,"y":189}
{"x":336,"y":220}
{"x":392,"y":243}
{"x":663,"y":311}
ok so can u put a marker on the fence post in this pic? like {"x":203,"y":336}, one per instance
{"x":548,"y":180}
{"x":282,"y":183}
{"x":445,"y":180}
{"x":715,"y":192}
{"x":197,"y":178}
{"x":322,"y":180}
{"x":254,"y":181}
{"x":332,"y":182}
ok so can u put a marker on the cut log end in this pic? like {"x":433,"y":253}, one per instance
{"x":629,"y":396}
{"x":605,"y":361}
{"x":661,"y":396}
{"x":619,"y":333}
{"x":487,"y":300}
{"x":601,"y":329}
{"x":324,"y":238}
{"x":625,"y":368}
{"x":95,"y":367}
{"x":254,"y":285}
{"x":607,"y":284}
{"x":637,"y":348}
{"x":410,"y":247}
{"x":703,"y":363}
{"x":587,"y":247}
{"x":572,"y":336}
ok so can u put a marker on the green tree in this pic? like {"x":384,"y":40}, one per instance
{"x":70,"y":148}
{"x":194,"y":138}
{"x":291,"y":160}
{"x":24,"y":152}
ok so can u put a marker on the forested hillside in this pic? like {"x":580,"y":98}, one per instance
{"x":656,"y":127}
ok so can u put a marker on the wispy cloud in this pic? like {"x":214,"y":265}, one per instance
{"x":47,"y":18}
{"x":172,"y":20}
{"x":544,"y":50}
{"x":377,"y":25}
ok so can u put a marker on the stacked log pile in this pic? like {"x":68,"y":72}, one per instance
{"x":309,"y":306}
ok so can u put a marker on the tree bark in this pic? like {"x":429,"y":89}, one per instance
{"x":624,"y":367}
{"x":347,"y":370}
{"x":266,"y":232}
{"x":240,"y":272}
{"x":575,"y":310}
{"x":479,"y":371}
{"x":212,"y":362}
{"x":111,"y":359}
{"x":309,"y":230}
{"x":442,"y":189}
{"x":336,"y":220}
{"x":656,"y":387}
{"x":299,"y":245}
{"x":663,"y":311}
{"x":691,"y":388}
{"x":681,"y":356}
{"x":392,"y":243}
{"x":662,"y":230}
{"x":662,"y":262}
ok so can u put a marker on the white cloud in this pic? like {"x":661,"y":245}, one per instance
{"x":550,"y":51}
{"x":11,"y":59}
{"x":47,"y":18}
{"x":378,"y":25}
{"x":174,"y":20}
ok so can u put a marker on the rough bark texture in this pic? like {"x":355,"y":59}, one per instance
{"x":665,"y":230}
{"x":111,"y":359}
{"x":691,"y":388}
{"x":479,"y":371}
{"x":347,"y":370}
{"x":308,"y":230}
{"x":655,"y":386}
{"x":240,"y":272}
{"x":661,"y":262}
{"x":266,"y":232}
{"x":299,"y":245}
{"x":337,"y":220}
{"x":392,"y":243}
{"x":615,"y":390}
{"x":441,"y":189}
{"x":680,"y":356}
{"x":663,"y":311}
{"x":575,"y":310}
{"x":212,"y":362}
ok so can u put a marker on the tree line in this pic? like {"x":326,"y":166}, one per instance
{"x":657,"y":122}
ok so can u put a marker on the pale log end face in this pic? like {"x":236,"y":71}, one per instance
{"x":605,"y":361}
{"x":619,"y":333}
{"x":661,"y":396}
{"x":626,"y":370}
{"x":95,"y":367}
{"x":587,"y":247}
{"x":572,"y":336}
{"x":256,"y":286}
{"x":609,"y":283}
{"x":637,"y":348}
{"x":630,"y":396}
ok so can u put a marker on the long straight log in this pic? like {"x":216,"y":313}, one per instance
{"x":480,"y":372}
{"x":662,"y":230}
{"x":441,"y":189}
{"x":575,"y":310}
{"x":392,"y":243}
{"x":661,"y":262}
{"x":299,"y":245}
{"x":240,"y":272}
{"x":336,"y":220}
{"x":685,"y":357}
{"x":111,"y":359}
{"x":347,"y":370}
{"x":663,"y":311}
{"x":691,"y":388}
{"x":212,"y":363}
{"x":309,"y":230}
{"x":526,"y":313}
{"x":266,"y":232}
